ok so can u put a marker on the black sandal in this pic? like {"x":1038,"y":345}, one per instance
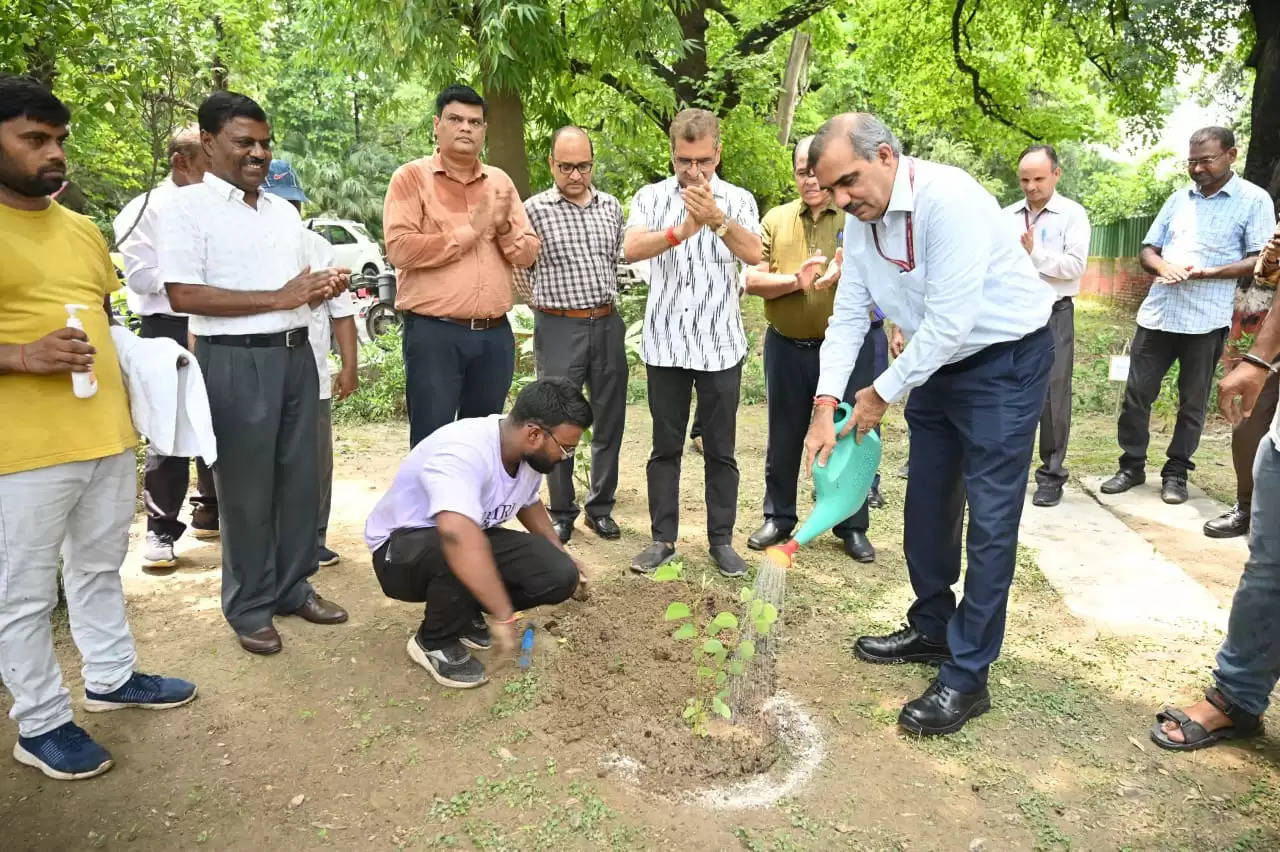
{"x":1243,"y":725}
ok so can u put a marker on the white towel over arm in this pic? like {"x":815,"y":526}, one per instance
{"x":168,"y":402}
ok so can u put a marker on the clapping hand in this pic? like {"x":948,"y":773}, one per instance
{"x":832,"y":275}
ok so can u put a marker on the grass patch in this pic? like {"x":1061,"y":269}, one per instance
{"x":517,"y":695}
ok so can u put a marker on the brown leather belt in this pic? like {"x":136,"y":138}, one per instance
{"x":581,"y":313}
{"x":477,"y":324}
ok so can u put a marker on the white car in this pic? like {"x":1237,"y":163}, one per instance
{"x":353,"y":247}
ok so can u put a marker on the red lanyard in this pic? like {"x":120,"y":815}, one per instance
{"x":910,"y":263}
{"x":1026,"y":217}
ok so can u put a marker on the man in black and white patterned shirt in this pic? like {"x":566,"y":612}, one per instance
{"x":697,"y":229}
{"x":578,"y":332}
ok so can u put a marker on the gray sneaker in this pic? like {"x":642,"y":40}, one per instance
{"x":476,"y":636}
{"x":451,"y":665}
{"x":159,"y":552}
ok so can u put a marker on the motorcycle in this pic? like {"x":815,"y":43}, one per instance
{"x":376,"y":296}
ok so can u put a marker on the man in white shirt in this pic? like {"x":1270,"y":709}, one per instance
{"x":283,"y":182}
{"x":164,"y":478}
{"x":1055,"y":232}
{"x":930,"y":247}
{"x":233,"y":258}
{"x":697,"y":229}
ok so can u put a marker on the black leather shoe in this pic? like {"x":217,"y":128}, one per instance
{"x":605,"y":527}
{"x":564,"y":530}
{"x":1235,"y":522}
{"x":874,"y":500}
{"x":1125,"y":478}
{"x":859,"y":547}
{"x":728,"y":561}
{"x":1173,"y":490}
{"x":943,"y":710}
{"x":768,"y":535}
{"x":1047,"y":494}
{"x":908,"y":645}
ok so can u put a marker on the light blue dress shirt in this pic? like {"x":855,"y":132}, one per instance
{"x":973,"y":284}
{"x":1192,"y":230}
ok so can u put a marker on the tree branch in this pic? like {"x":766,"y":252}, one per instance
{"x":758,"y":38}
{"x":982,"y":97}
{"x":655,"y":112}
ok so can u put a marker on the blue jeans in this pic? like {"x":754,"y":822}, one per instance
{"x":973,"y":426}
{"x":1249,"y":659}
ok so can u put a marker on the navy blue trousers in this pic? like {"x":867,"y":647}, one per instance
{"x":452,"y":372}
{"x":973,"y":425}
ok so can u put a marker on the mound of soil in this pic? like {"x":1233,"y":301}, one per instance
{"x":621,"y":682}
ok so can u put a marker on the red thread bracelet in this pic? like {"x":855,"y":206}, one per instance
{"x":826,"y":400}
{"x":672,"y":238}
{"x":512,"y":620}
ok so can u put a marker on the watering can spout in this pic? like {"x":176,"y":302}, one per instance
{"x":843,"y":484}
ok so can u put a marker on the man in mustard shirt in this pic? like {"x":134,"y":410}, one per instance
{"x":800,"y":239}
{"x":68,"y":473}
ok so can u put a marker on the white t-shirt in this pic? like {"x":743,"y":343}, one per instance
{"x":319,"y":255}
{"x":458,"y":468}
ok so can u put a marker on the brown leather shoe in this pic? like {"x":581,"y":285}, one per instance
{"x":264,"y":641}
{"x":317,"y":610}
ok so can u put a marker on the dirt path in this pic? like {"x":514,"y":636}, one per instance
{"x":586,"y":751}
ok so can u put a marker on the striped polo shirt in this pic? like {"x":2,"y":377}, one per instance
{"x":691,"y":319}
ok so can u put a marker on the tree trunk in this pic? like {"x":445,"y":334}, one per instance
{"x":791,"y":85}
{"x":506,"y":136}
{"x":1263,"y":163}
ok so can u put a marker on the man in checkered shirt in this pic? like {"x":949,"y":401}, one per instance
{"x":578,"y":332}
{"x":1205,"y":237}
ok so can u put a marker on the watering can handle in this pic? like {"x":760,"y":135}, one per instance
{"x":843,"y":412}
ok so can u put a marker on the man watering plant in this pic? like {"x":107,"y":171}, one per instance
{"x":437,"y":535}
{"x":929,"y":246}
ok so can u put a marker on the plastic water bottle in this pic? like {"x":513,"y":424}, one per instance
{"x":83,"y":385}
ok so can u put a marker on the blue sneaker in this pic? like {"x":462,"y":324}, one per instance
{"x":150,"y":692}
{"x":66,"y":753}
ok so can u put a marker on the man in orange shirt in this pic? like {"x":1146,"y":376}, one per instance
{"x":454,"y":229}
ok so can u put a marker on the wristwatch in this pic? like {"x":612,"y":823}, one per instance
{"x":723,"y":229}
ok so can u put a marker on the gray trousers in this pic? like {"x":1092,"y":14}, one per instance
{"x":324,"y":467}
{"x":590,"y":353}
{"x":1055,"y":419}
{"x":263,"y":402}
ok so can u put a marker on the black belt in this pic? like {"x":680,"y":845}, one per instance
{"x":988,"y":353}
{"x":291,"y":339}
{"x":814,"y":342}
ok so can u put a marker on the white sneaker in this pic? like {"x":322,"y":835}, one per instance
{"x":159,"y":552}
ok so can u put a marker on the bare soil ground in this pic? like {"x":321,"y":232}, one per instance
{"x":342,"y":742}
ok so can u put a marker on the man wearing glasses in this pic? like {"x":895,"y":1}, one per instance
{"x":697,"y":228}
{"x":454,"y":229}
{"x":929,"y":246}
{"x":438,"y":534}
{"x":1204,"y":238}
{"x":578,"y":332}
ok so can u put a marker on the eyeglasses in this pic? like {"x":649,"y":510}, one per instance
{"x":569,"y":168}
{"x":1204,"y":161}
{"x":566,"y":453}
{"x":684,"y":163}
{"x":455,"y":120}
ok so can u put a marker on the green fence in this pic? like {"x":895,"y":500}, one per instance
{"x":1120,"y":239}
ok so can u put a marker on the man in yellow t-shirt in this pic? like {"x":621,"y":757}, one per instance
{"x":67,"y":469}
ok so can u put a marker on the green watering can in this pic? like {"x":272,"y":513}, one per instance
{"x":842,"y":486}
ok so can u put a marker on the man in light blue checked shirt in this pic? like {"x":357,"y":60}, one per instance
{"x":1205,"y":237}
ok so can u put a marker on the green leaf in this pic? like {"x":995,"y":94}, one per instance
{"x":690,"y":711}
{"x":705,"y":672}
{"x":746,"y":594}
{"x":736,"y":667}
{"x":720,"y":707}
{"x":757,"y":607}
{"x":746,"y":649}
{"x":721,"y":655}
{"x":723,"y":621}
{"x":670,"y":571}
{"x":763,"y":627}
{"x":721,"y":677}
{"x":770,"y":613}
{"x":712,"y":646}
{"x":676,"y":611}
{"x":686,"y":631}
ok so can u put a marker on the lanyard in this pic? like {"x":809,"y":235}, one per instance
{"x":910,"y":263}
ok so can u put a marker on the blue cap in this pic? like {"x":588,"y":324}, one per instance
{"x":282,"y":181}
